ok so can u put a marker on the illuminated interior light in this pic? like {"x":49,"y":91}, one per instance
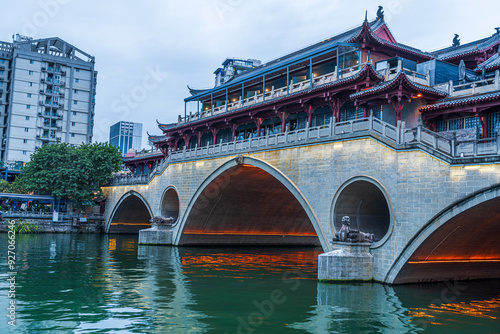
{"x":472,"y":167}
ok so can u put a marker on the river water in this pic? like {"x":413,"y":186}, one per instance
{"x":110,"y":284}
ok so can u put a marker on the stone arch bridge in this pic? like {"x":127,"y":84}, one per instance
{"x":433,"y":204}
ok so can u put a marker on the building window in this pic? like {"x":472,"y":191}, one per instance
{"x":28,"y":106}
{"x":1,"y":72}
{"x":30,"y":72}
{"x":24,"y":152}
{"x":25,"y":141}
{"x":29,"y":95}
{"x":31,"y":61}
{"x":77,"y":80}
{"x":72,"y":135}
{"x":77,"y":69}
{"x":75,"y":91}
{"x":73,"y":123}
{"x":30,"y":84}
{"x":75,"y":102}
{"x":74,"y":113}
{"x":27,"y":118}
{"x":26,"y":129}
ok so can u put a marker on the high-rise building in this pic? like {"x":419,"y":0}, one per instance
{"x":126,"y":135}
{"x":47,"y":95}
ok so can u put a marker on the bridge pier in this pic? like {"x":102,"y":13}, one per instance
{"x":156,"y":236}
{"x":346,"y":262}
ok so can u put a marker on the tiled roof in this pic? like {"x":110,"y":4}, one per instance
{"x":461,"y":101}
{"x":469,"y":48}
{"x":331,"y":42}
{"x":367,"y":69}
{"x":393,"y":83}
{"x":367,"y":29}
{"x":491,"y":64}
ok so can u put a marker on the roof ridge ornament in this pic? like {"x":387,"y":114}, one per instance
{"x":380,"y":13}
{"x":456,"y":41}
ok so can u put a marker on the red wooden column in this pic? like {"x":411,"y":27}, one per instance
{"x":214,"y":133}
{"x":310,"y":111}
{"x":198,"y":134}
{"x":233,"y":130}
{"x":336,"y":104}
{"x":258,"y":121}
{"x":283,"y":115}
{"x":141,"y":168}
{"x":484,"y":125}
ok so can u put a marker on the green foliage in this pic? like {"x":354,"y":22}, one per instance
{"x":71,"y":173}
{"x":14,"y":187}
{"x":23,"y":227}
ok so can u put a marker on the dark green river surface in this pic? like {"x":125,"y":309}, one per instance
{"x":110,"y":284}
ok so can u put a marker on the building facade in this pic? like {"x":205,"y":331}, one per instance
{"x":364,"y":71}
{"x":126,"y":135}
{"x":47,"y":95}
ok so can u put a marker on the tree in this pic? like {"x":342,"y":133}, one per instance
{"x":71,"y":173}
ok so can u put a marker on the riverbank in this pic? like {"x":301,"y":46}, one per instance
{"x":45,"y":223}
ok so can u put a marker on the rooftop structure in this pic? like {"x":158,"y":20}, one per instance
{"x":47,"y":95}
{"x":363,"y":71}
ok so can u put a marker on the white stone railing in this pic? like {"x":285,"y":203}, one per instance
{"x":369,"y":126}
{"x":452,"y":147}
{"x":470,"y":88}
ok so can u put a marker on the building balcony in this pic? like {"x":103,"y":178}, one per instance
{"x":305,"y":85}
{"x":471,"y":88}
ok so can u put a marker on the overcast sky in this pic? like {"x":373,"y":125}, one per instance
{"x":182,"y":42}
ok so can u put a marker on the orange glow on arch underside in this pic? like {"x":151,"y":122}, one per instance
{"x":257,"y":233}
{"x":474,"y":260}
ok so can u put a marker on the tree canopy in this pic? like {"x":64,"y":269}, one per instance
{"x":71,"y":173}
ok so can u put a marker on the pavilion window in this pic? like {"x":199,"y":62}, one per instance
{"x":206,"y":139}
{"x":321,"y":116}
{"x":460,"y":124}
{"x":494,"y":125}
{"x":348,"y":57}
{"x":348,"y":112}
{"x":224,"y":136}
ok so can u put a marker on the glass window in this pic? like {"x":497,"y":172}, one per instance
{"x":30,"y":84}
{"x":31,"y":61}
{"x":78,"y":70}
{"x":75,"y":91}
{"x":75,"y":102}
{"x":26,"y":129}
{"x":73,"y":123}
{"x":30,"y":72}
{"x":28,"y":106}
{"x":77,"y":80}
{"x":27,"y":118}
{"x":1,"y":72}
{"x":24,"y":152}
{"x":29,"y":95}
{"x":25,"y":141}
{"x":72,"y":135}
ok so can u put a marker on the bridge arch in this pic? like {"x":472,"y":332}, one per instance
{"x":460,"y":242}
{"x":369,"y":206}
{"x":219,"y":196}
{"x":131,"y":214}
{"x":170,"y":203}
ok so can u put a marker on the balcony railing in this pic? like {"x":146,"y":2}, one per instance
{"x":471,"y":88}
{"x":304,"y":85}
{"x":398,"y":136}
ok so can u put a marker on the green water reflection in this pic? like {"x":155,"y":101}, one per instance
{"x":109,"y":284}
